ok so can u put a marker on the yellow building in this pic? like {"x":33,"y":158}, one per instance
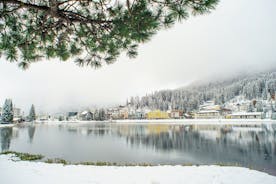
{"x":157,"y":114}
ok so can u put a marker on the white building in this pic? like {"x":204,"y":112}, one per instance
{"x":16,"y":112}
{"x":247,"y":115}
{"x":209,"y":105}
{"x":207,"y":114}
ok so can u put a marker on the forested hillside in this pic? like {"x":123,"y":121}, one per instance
{"x":254,"y":86}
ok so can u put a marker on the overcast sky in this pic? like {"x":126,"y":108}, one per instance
{"x":240,"y":35}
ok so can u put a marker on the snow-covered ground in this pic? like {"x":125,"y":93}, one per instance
{"x":12,"y":172}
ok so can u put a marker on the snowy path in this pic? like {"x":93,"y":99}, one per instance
{"x":41,"y":173}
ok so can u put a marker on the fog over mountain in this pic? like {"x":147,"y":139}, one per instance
{"x":238,"y":37}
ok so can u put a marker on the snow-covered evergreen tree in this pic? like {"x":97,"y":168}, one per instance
{"x":32,"y":115}
{"x":7,"y":112}
{"x":89,"y":116}
{"x":273,"y":105}
{"x":259,"y":106}
{"x":102,"y":114}
{"x":250,"y":108}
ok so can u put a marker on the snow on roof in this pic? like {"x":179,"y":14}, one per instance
{"x":211,"y":107}
{"x":84,"y":112}
{"x":246,"y":113}
{"x":207,"y":111}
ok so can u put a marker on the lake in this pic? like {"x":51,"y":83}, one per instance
{"x":252,"y":146}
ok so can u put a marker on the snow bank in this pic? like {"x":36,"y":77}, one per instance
{"x":6,"y":125}
{"x":34,"y":172}
{"x":202,"y":121}
{"x":173,"y":121}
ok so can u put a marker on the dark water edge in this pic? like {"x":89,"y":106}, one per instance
{"x":252,"y":146}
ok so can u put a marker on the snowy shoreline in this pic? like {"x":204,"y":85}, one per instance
{"x":175,"y":121}
{"x":159,"y":121}
{"x":202,"y":121}
{"x":7,"y":125}
{"x":13,"y":172}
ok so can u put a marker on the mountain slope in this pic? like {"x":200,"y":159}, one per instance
{"x":254,"y":86}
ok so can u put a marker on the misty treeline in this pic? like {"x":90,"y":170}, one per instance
{"x":260,"y":86}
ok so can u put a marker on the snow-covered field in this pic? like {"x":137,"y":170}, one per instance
{"x":14,"y":172}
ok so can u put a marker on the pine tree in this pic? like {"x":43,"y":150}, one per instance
{"x":96,"y":115}
{"x":259,"y":107}
{"x":89,"y":116}
{"x":250,"y":108}
{"x":32,"y":115}
{"x":92,"y":32}
{"x":264,"y":94}
{"x":7,"y":114}
{"x":102,"y":115}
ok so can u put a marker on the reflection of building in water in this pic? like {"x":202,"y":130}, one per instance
{"x":127,"y":129}
{"x":212,"y":144}
{"x":15,"y":132}
{"x":204,"y":144}
{"x":6,"y":136}
{"x":95,"y":129}
{"x":211,"y":131}
{"x":156,"y":129}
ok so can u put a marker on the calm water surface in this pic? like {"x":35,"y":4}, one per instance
{"x":253,"y":146}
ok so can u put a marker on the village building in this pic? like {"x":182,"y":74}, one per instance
{"x":86,"y":116}
{"x":44,"y":117}
{"x":16,"y":112}
{"x":247,"y":115}
{"x":207,"y":114}
{"x":157,"y":114}
{"x":139,"y":114}
{"x":176,"y":114}
{"x":71,"y":116}
{"x":123,"y":112}
{"x":120,"y":112}
{"x":188,"y":115}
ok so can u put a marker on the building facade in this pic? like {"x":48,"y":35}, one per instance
{"x":157,"y":114}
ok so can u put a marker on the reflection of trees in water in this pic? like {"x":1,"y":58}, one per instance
{"x":97,"y":129}
{"x":31,"y":132}
{"x":91,"y":129}
{"x":6,"y":136}
{"x":207,"y":144}
{"x":241,"y":147}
